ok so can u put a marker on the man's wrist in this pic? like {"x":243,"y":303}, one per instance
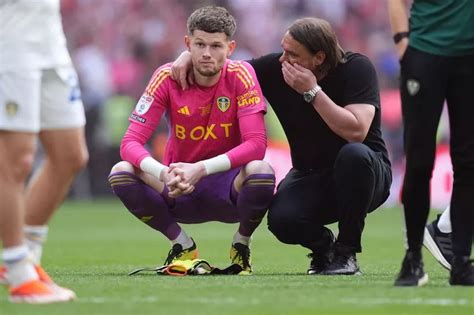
{"x":397,"y":37}
{"x":311,"y":94}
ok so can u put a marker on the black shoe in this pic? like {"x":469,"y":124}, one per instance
{"x":240,"y":255}
{"x":462,"y":272}
{"x":322,"y":257}
{"x":439,"y":244}
{"x":342,"y":264}
{"x":412,"y":273}
{"x":319,"y":262}
{"x":178,"y":253}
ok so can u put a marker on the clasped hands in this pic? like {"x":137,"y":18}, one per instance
{"x":181,"y":178}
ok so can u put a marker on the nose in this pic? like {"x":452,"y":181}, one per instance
{"x":283,"y":58}
{"x":207,"y":52}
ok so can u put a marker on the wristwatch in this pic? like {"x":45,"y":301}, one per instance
{"x":311,"y":94}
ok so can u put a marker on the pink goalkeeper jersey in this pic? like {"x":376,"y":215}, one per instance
{"x":203,"y":121}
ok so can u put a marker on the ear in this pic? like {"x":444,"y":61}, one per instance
{"x":319,"y":58}
{"x":187,"y":42}
{"x":231,"y":47}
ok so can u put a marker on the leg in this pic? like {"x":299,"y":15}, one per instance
{"x":252,"y":191}
{"x":303,"y":204}
{"x":423,"y":86}
{"x":145,"y":202}
{"x":422,"y":91}
{"x":16,"y":161}
{"x":17,"y":146}
{"x":65,"y":155}
{"x":461,"y":118}
{"x":254,"y":187}
{"x":362,"y":183}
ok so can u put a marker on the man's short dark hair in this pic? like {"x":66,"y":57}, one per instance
{"x":317,"y":35}
{"x":212,"y":19}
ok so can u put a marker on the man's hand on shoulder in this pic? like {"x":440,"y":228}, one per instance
{"x":181,"y":70}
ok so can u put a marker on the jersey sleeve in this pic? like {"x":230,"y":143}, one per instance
{"x":361,"y":86}
{"x":249,"y":95}
{"x":146,"y":116}
{"x":254,"y":140}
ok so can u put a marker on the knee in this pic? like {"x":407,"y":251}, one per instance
{"x":353,"y":154}
{"x":78,"y":161}
{"x":279,"y":224}
{"x":69,"y":161}
{"x":122,"y":166}
{"x":257,"y":167}
{"x":21,"y":168}
{"x":121,"y":174}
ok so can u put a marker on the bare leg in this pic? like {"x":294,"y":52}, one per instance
{"x":65,"y":155}
{"x":16,"y":159}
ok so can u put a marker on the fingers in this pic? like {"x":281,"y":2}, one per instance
{"x":174,"y":181}
{"x":191,"y":77}
{"x":182,"y":80}
{"x":175,"y":191}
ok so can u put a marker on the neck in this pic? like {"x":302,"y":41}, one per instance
{"x":320,"y":74}
{"x":204,"y":80}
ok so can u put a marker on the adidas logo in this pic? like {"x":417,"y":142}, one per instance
{"x":184,"y":110}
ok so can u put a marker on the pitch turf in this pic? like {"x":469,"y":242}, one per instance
{"x":92,"y":246}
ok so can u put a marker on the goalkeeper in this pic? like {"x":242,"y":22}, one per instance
{"x":212,"y":169}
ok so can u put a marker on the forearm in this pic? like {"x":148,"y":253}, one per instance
{"x":341,"y":121}
{"x":397,"y":10}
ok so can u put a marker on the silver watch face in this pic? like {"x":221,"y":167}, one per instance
{"x":308,"y":97}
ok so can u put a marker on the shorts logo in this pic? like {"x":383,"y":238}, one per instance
{"x":11,"y":108}
{"x":144,"y":104}
{"x":413,"y":86}
{"x":223,"y":103}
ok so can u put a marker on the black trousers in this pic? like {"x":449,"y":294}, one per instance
{"x":426,"y":82}
{"x":307,"y":200}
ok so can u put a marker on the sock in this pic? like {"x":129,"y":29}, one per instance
{"x":444,"y":222}
{"x":145,"y":203}
{"x":19,"y":267}
{"x":239,"y":238}
{"x":35,"y":236}
{"x":253,"y":201}
{"x":183,"y":239}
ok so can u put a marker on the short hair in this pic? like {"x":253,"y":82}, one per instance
{"x":317,"y":35}
{"x":212,"y":19}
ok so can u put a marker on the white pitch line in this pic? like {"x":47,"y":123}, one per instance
{"x":155,"y":299}
{"x":415,"y":301}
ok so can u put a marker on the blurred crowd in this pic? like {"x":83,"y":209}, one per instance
{"x":117,"y":45}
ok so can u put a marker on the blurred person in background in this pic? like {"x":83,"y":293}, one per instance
{"x":39,"y":99}
{"x":436,"y":50}
{"x":212,"y":169}
{"x":328,"y":103}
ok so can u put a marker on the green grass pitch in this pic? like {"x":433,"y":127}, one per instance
{"x":93,"y":245}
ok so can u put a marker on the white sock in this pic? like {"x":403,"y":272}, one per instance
{"x":444,"y":223}
{"x":19,"y":267}
{"x":239,"y":238}
{"x":183,"y":239}
{"x":35,"y":236}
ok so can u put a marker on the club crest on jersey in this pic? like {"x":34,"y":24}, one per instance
{"x":413,"y":86}
{"x":11,"y":108}
{"x":144,"y":104}
{"x":223,"y":103}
